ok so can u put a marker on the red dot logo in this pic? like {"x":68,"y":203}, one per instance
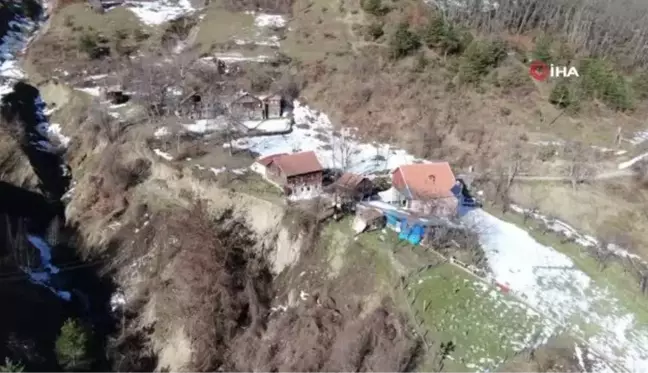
{"x":539,"y":70}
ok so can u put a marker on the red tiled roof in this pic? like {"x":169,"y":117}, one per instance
{"x":428,"y":179}
{"x":298,"y":163}
{"x":349,"y":180}
{"x":265,"y":161}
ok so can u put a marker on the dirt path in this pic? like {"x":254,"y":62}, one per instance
{"x":605,"y":175}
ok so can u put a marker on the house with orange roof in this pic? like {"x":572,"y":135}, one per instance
{"x":425,"y":188}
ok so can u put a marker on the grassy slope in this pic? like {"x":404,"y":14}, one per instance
{"x":591,"y":208}
{"x":485,"y":325}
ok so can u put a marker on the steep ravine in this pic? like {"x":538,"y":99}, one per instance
{"x":44,"y":282}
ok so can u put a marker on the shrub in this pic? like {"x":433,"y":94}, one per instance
{"x":10,"y":366}
{"x":374,"y":7}
{"x":434,"y":32}
{"x":599,"y":80}
{"x":560,"y":95}
{"x":479,"y":58}
{"x":542,"y":50}
{"x":421,"y":63}
{"x":121,"y":34}
{"x":517,"y":77}
{"x":375,"y":31}
{"x":89,"y":44}
{"x":141,"y":35}
{"x":640,"y":85}
{"x":72,"y":347}
{"x":442,"y":35}
{"x":403,"y":42}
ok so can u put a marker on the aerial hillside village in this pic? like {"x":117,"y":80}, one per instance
{"x":323,"y":185}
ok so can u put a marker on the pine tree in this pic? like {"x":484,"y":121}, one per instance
{"x":72,"y":346}
{"x":10,"y":366}
{"x":403,"y":42}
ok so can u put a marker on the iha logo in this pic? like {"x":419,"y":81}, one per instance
{"x":541,"y":71}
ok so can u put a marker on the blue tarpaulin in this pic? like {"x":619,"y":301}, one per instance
{"x":404,"y":230}
{"x":392,"y":220}
{"x":416,"y":235}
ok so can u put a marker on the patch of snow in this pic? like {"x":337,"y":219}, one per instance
{"x":12,"y":43}
{"x":218,"y":171}
{"x":43,"y":278}
{"x":269,"y":125}
{"x":332,"y":151}
{"x":97,"y":77}
{"x":161,"y":132}
{"x":118,"y":106}
{"x":621,"y":152}
{"x":631,"y":162}
{"x":54,"y":131}
{"x":239,"y":171}
{"x":549,"y":281}
{"x":155,"y":13}
{"x":579,"y":356}
{"x":45,"y":252}
{"x":638,"y":138}
{"x":162,"y":154}
{"x":269,"y":20}
{"x":117,"y":301}
{"x":207,"y":125}
{"x":237,"y":57}
{"x":548,"y":143}
{"x":272,"y":41}
{"x":567,"y":230}
{"x":602,"y":149}
{"x":92,"y":91}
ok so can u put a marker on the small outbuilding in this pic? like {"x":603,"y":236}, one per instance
{"x":350,"y":187}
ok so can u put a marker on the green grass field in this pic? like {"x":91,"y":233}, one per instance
{"x":486,"y":326}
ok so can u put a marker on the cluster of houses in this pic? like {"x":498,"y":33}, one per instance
{"x":420,"y":195}
{"x":251,"y":107}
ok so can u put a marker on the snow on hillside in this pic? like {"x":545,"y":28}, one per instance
{"x":550,"y":282}
{"x":562,"y":228}
{"x":638,"y":138}
{"x":155,"y":13}
{"x":269,"y":125}
{"x":10,"y":45}
{"x":43,"y":277}
{"x":269,"y":20}
{"x":631,"y":162}
{"x":314,"y":131}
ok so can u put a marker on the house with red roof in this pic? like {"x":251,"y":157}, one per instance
{"x":425,"y":188}
{"x":297,"y":173}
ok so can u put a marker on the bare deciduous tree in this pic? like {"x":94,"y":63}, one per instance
{"x":591,"y":27}
{"x":344,"y":149}
{"x":580,"y":162}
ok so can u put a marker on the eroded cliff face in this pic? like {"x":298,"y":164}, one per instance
{"x":153,"y":234}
